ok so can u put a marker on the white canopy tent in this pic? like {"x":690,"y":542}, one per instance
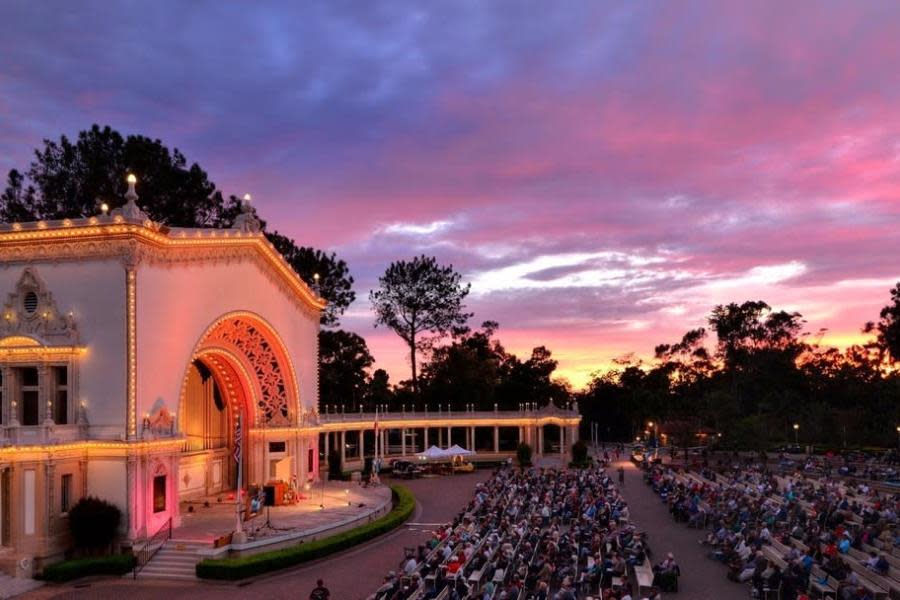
{"x":456,"y":450}
{"x":433,"y":453}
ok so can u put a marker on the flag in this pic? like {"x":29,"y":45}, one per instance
{"x":237,"y":439}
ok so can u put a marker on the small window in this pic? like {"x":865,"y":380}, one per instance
{"x":30,"y":376}
{"x":159,"y":493}
{"x":28,"y":396}
{"x":29,"y":408}
{"x":61,"y":396}
{"x":30,"y":302}
{"x":65,"y":493}
{"x":277,"y":446}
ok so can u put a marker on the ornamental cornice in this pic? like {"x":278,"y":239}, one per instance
{"x":134,"y":245}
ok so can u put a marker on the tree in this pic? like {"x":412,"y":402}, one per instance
{"x":419,"y":297}
{"x":465,"y":371}
{"x":66,"y":179}
{"x":335,"y":283}
{"x":888,"y":326}
{"x":343,"y":360}
{"x":379,"y":391}
{"x":523,"y":455}
{"x":94,"y":523}
{"x":530,"y":381}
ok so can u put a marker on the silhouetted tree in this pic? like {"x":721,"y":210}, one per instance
{"x":335,"y":283}
{"x":888,"y":326}
{"x":419,"y":297}
{"x":343,"y":361}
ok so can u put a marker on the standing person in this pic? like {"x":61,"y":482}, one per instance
{"x":320,"y":592}
{"x":622,"y":476}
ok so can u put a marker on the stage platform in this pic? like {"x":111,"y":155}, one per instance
{"x":325,"y":510}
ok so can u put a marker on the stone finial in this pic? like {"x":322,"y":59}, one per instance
{"x":247,"y":221}
{"x":130,"y":210}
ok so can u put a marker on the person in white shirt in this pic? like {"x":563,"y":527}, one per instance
{"x":410,"y":567}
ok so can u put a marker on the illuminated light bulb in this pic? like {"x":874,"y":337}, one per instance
{"x":248,"y":198}
{"x":131,"y":179}
{"x":104,"y":208}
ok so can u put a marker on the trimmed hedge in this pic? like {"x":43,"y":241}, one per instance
{"x":118,"y":564}
{"x":248,"y":566}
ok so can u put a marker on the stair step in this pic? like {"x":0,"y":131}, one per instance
{"x":180,"y":576}
{"x":174,"y":563}
{"x":173,"y":568}
{"x":188,"y":555}
{"x":166,"y":571}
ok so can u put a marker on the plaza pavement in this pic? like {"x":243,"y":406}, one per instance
{"x":350,"y":575}
{"x":701,"y":578}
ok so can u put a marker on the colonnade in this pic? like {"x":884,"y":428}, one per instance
{"x":490,"y":435}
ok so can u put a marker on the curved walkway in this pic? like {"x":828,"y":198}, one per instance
{"x":701,"y":578}
{"x":350,"y":575}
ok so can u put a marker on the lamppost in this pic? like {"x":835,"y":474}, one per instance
{"x":654,"y":432}
{"x":797,"y":434}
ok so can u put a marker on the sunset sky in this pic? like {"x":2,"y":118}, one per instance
{"x":604,"y":173}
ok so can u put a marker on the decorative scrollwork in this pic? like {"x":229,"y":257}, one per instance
{"x":273,"y":405}
{"x":31,"y":311}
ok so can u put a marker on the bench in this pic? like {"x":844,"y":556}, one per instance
{"x":644,"y":575}
{"x":828,"y":589}
{"x":869,"y":580}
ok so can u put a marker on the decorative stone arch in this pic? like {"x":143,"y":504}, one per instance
{"x":252,"y":367}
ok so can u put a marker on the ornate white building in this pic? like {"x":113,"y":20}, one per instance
{"x":136,"y":358}
{"x":127,"y":351}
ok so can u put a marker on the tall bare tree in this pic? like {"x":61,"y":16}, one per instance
{"x":419,"y":297}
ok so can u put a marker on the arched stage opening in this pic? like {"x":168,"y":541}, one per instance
{"x":239,"y":380}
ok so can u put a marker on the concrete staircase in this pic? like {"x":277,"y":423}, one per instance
{"x":175,"y":560}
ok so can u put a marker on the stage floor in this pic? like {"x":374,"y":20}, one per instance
{"x":343,"y":501}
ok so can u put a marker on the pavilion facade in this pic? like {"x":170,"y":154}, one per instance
{"x":148,"y":365}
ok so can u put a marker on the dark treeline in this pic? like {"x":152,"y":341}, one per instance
{"x":471,"y":369}
{"x":753,"y":374}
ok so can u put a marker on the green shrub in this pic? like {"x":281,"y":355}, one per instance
{"x":248,"y":566}
{"x":94,"y":523}
{"x":118,"y":564}
{"x":523,"y":455}
{"x":580,"y":453}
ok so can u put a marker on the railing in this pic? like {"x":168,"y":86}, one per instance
{"x":333,"y":416}
{"x":152,"y":545}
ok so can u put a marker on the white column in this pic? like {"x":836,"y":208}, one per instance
{"x":562,"y":440}
{"x":471,"y":439}
{"x":343,"y":448}
{"x":425,"y":439}
{"x":449,"y":436}
{"x":540,"y":440}
{"x":403,"y":441}
{"x":496,"y":439}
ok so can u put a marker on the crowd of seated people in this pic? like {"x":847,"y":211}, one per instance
{"x":787,"y":536}
{"x":539,"y":534}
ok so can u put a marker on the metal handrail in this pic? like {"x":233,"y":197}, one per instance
{"x":152,"y":545}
